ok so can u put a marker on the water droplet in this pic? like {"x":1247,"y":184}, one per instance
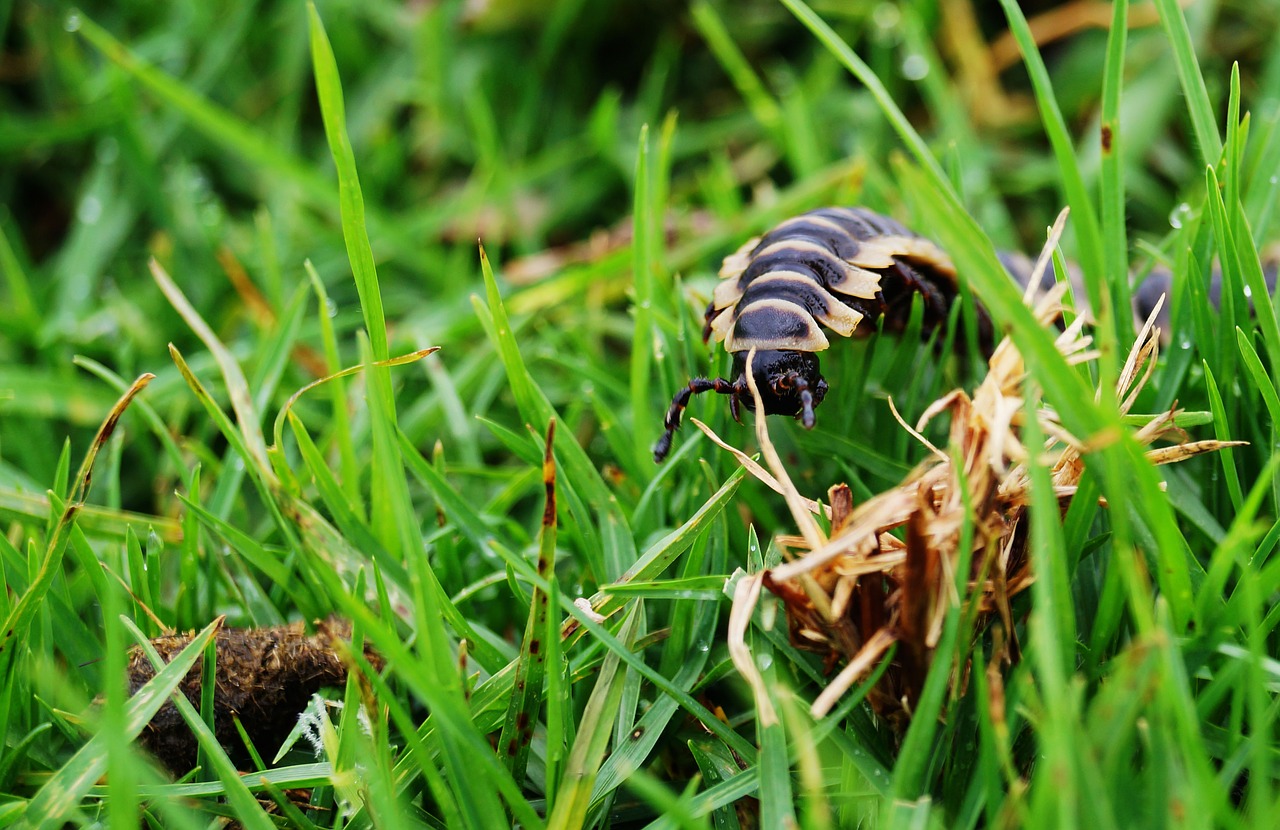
{"x":72,"y":22}
{"x":764,"y":661}
{"x":1248,"y":292}
{"x":914,"y":67}
{"x":330,"y":307}
{"x":90,"y":210}
{"x":886,"y":16}
{"x":1274,"y":179}
{"x":703,"y":646}
{"x":1179,"y":215}
{"x":1184,"y":344}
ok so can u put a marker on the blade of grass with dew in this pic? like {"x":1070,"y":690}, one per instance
{"x":1233,"y":299}
{"x":64,"y":790}
{"x":594,"y":730}
{"x":1222,"y":433}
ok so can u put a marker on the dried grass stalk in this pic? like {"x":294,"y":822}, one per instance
{"x":854,"y":594}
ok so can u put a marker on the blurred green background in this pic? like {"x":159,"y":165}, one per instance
{"x":191,"y":133}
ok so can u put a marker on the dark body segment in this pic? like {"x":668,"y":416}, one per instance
{"x":827,"y":269}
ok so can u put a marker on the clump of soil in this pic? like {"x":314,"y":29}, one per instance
{"x":263,"y":676}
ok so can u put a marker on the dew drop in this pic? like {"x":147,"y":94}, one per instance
{"x":1179,"y":215}
{"x":1274,"y":179}
{"x":330,"y":307}
{"x":90,"y":210}
{"x":703,"y":646}
{"x":764,"y":661}
{"x":886,"y":16}
{"x":914,"y":67}
{"x":72,"y":22}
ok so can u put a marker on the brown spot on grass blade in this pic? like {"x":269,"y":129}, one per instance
{"x":549,"y":477}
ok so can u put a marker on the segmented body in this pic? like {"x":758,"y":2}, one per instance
{"x":829,"y":268}
{"x":837,"y":269}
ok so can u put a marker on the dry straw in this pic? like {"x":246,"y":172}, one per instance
{"x":856,"y":592}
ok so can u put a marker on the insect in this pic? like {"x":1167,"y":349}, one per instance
{"x":829,"y":268}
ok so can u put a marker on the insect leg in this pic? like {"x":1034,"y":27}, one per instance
{"x":935,"y":301}
{"x":681,"y":400}
{"x":707,"y":316}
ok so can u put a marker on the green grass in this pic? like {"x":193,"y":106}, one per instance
{"x":246,"y":198}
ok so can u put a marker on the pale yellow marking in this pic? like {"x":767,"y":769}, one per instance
{"x":840,"y":318}
{"x":883,"y":250}
{"x":810,"y":219}
{"x":721,"y":324}
{"x":726,"y":293}
{"x":859,"y":282}
{"x":735,"y":263}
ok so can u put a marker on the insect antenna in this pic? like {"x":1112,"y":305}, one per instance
{"x":681,"y":400}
